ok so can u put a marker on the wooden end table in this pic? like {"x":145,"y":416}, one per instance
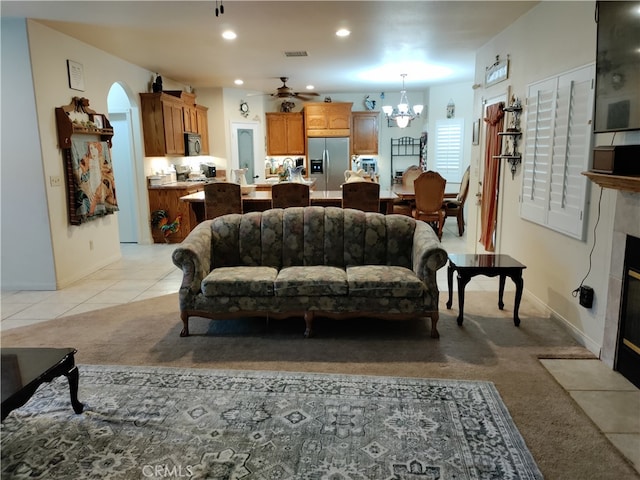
{"x":490,"y":265}
{"x":25,"y":369}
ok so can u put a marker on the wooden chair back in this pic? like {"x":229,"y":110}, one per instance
{"x":221,"y":198}
{"x":410,"y":174}
{"x":363,"y":196}
{"x":454,"y":202}
{"x":290,"y":194}
{"x":429,"y":189}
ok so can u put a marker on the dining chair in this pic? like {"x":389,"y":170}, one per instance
{"x":429,"y":190}
{"x":290,"y":194}
{"x":363,"y":196}
{"x":404,"y":206}
{"x":454,"y":202}
{"x":221,"y":198}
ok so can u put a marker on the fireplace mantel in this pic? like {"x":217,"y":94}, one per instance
{"x":616,"y":182}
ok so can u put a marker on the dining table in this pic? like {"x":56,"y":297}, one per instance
{"x":259,"y":201}
{"x":403,"y":192}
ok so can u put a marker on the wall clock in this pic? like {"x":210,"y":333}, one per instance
{"x":244,"y":108}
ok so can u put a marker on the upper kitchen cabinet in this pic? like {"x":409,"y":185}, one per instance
{"x":162,"y":124}
{"x":364,"y":133}
{"x":285,"y":134}
{"x":166,"y":116}
{"x":328,"y":119}
{"x":202,"y":127}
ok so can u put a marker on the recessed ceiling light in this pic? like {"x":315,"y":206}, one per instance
{"x":343,"y":32}
{"x":229,"y":35}
{"x":310,"y":87}
{"x":239,"y":81}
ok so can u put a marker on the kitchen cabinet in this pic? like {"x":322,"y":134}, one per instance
{"x":285,"y":134}
{"x":328,"y":119}
{"x":202,"y":127}
{"x":162,"y":124}
{"x":167,"y":198}
{"x":364,"y":133}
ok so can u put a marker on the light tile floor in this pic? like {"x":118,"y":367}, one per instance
{"x":146,"y":271}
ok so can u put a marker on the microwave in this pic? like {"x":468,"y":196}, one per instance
{"x":192,"y":144}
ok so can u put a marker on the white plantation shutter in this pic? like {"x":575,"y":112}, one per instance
{"x":448,"y":148}
{"x":556,"y":151}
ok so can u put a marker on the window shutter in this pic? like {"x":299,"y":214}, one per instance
{"x":538,"y":145}
{"x":449,"y":149}
{"x":568,"y":186}
{"x":556,"y":151}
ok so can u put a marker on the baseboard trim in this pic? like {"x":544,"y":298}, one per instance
{"x":577,"y":335}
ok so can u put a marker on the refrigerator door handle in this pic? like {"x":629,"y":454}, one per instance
{"x":328,"y":164}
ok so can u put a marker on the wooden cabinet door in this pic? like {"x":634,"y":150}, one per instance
{"x":168,"y":199}
{"x":190,"y":119}
{"x":162,"y":124}
{"x":364,"y":133}
{"x":177,"y":130}
{"x":285,"y":134}
{"x":203,"y":127}
{"x":295,"y":134}
{"x":328,"y":119}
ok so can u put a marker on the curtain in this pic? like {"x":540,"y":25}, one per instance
{"x":489,"y":207}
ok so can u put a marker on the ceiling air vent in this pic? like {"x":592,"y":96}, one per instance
{"x":299,"y":53}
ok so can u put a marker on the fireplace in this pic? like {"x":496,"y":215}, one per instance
{"x":626,"y":224}
{"x":628,"y":351}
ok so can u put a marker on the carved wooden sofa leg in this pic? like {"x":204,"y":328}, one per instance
{"x":308,"y":320}
{"x":185,"y":322}
{"x":434,"y":325}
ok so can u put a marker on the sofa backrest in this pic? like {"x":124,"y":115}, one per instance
{"x":299,"y":236}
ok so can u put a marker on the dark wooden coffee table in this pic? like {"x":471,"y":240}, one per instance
{"x":25,"y":369}
{"x":491,"y":265}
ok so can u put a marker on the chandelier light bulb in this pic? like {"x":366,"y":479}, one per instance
{"x":402,"y":121}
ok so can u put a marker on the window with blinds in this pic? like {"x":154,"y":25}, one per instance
{"x":448,"y":148}
{"x":557,"y":144}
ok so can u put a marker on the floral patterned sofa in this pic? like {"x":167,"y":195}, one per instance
{"x":310,"y":261}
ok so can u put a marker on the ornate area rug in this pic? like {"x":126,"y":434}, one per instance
{"x":150,"y":422}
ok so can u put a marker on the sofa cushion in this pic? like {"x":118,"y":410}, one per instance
{"x":240,"y":281}
{"x":313,"y":281}
{"x":383,"y":281}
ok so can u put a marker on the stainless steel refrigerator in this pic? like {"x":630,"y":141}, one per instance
{"x":328,"y":160}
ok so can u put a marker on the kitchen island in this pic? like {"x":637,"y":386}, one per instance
{"x":259,"y":201}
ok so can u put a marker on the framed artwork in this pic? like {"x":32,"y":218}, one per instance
{"x":476,"y":133}
{"x":391,"y":123}
{"x":497,"y":72}
{"x":97,"y":121}
{"x":76,"y":75}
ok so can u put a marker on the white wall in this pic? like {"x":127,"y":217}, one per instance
{"x":551,"y":38}
{"x":27,"y":256}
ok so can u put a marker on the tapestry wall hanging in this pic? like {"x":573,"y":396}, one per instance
{"x":93,"y":193}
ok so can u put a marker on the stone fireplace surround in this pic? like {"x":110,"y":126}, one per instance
{"x":626,"y":222}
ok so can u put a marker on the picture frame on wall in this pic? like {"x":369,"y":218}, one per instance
{"x":476,"y":132}
{"x":75,"y":73}
{"x":497,"y":72}
{"x":97,"y":120}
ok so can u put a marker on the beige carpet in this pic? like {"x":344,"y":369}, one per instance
{"x":564,"y":442}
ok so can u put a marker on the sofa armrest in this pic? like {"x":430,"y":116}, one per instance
{"x":193,"y":256}
{"x":427,"y":254}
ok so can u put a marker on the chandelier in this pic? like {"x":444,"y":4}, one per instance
{"x":403,"y":113}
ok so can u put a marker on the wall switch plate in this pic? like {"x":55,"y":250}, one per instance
{"x":55,"y":180}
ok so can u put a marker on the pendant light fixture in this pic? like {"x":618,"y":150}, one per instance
{"x":403,"y":113}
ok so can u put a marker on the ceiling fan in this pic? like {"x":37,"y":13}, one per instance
{"x":287,"y":92}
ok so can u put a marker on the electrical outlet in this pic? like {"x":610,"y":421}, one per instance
{"x":55,"y":180}
{"x":90,"y":244}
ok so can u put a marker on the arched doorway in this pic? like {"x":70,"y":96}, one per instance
{"x":123,"y":156}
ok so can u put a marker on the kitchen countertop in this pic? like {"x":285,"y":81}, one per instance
{"x":186,"y":184}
